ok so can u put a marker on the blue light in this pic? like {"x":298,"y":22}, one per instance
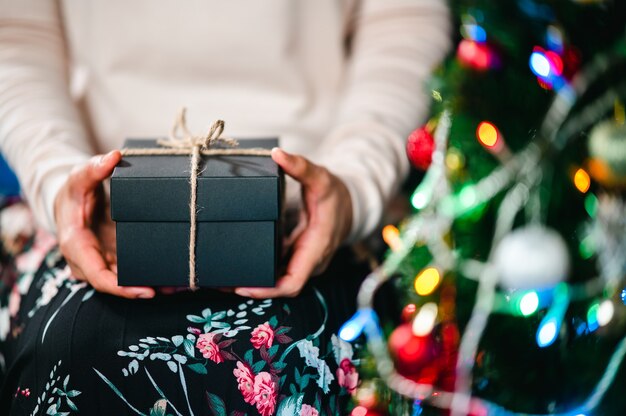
{"x":354,"y":326}
{"x":554,"y":39}
{"x":592,"y":317}
{"x":539,"y":64}
{"x":475,"y":33}
{"x":546,"y":335}
{"x":550,"y":326}
{"x":417,"y":408}
{"x":624,"y":296}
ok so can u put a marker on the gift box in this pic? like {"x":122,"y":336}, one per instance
{"x":238,"y":221}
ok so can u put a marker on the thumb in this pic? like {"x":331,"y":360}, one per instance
{"x":96,"y":170}
{"x":295,"y":166}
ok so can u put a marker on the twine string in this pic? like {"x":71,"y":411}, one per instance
{"x":194,"y":146}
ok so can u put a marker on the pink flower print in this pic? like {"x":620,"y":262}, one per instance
{"x":245,"y":382}
{"x":308,"y":410}
{"x":265,"y":393}
{"x":23,"y":392}
{"x":262,"y":335}
{"x":209,"y":349}
{"x":347,"y":375}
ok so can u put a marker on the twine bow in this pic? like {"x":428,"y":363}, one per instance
{"x":194,"y":146}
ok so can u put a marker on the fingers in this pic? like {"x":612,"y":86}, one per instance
{"x":309,"y":251}
{"x":316,"y":242}
{"x":89,"y":265}
{"x":89,"y":176}
{"x":296,"y":166}
{"x":295,"y":234}
{"x":91,"y":258}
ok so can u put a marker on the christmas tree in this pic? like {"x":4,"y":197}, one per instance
{"x":511,"y":268}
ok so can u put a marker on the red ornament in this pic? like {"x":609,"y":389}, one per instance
{"x":411,"y":353}
{"x":479,"y":56}
{"x":409,"y":312}
{"x":419,"y":147}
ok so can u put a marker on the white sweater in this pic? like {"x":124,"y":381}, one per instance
{"x":340,"y":81}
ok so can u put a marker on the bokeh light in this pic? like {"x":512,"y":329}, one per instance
{"x":454,"y":159}
{"x":592,"y":317}
{"x":582,"y":181}
{"x":467,"y":197}
{"x":359,"y":411}
{"x":547,"y":333}
{"x":474,"y":32}
{"x":539,"y":64}
{"x":426,"y":281}
{"x":353,"y":327}
{"x":391,"y":236}
{"x":605,"y":312}
{"x":554,"y":39}
{"x":425,"y":320}
{"x":587,"y":247}
{"x":487,"y":134}
{"x":419,"y":199}
{"x":529,"y":303}
{"x":591,"y":205}
{"x":476,"y":55}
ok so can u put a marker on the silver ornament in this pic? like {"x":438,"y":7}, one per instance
{"x":531,"y":257}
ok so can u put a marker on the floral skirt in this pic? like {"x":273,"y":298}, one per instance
{"x":66,"y":349}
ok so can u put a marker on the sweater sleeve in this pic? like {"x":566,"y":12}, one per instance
{"x":395,"y":45}
{"x":41,"y":134}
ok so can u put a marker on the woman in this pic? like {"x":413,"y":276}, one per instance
{"x":338,"y":81}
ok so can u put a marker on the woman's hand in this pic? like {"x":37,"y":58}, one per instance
{"x":85,"y":231}
{"x":326,"y":222}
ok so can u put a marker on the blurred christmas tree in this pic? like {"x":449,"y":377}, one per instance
{"x":511,"y":270}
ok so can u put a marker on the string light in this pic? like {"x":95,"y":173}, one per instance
{"x":587,"y":248}
{"x":592,"y":317}
{"x":391,"y":236}
{"x":591,"y":205}
{"x":529,"y":303}
{"x":426,"y":281}
{"x":487,"y":134}
{"x":539,"y":64}
{"x":605,"y":312}
{"x":551,"y":324}
{"x":474,"y":32}
{"x":547,"y":332}
{"x":582,"y":181}
{"x":425,"y":320}
{"x":475,"y":55}
{"x":467,"y":197}
{"x":548,"y":67}
{"x":454,"y":159}
{"x":420,"y":199}
{"x":353,"y":327}
{"x":556,"y":63}
{"x":490,"y":137}
{"x":554,"y":39}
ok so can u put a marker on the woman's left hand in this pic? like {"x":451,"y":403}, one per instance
{"x":326,"y":223}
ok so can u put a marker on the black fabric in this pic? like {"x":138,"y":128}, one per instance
{"x":70,"y":349}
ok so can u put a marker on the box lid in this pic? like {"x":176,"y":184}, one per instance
{"x":230,"y":188}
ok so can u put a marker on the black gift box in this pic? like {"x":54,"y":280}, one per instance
{"x":239,"y":204}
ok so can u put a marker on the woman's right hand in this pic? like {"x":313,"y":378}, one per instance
{"x":85,"y":231}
